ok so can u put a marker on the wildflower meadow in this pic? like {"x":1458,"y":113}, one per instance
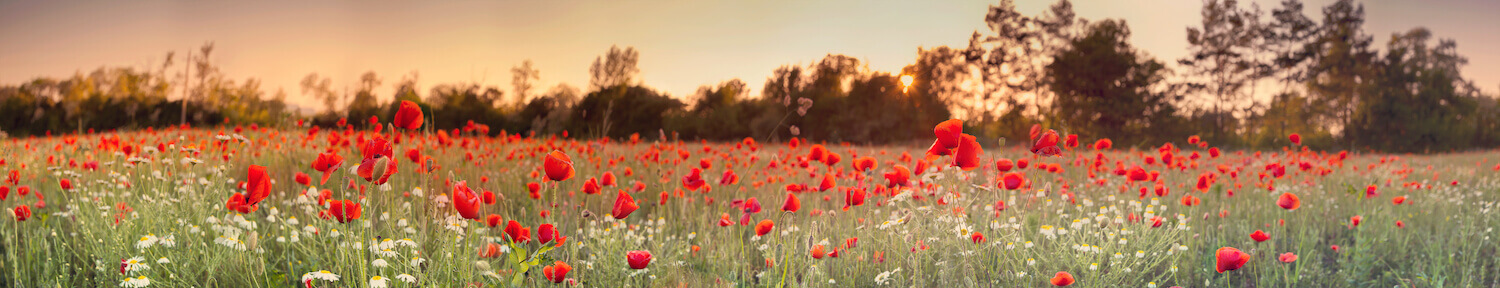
{"x":401,"y":205}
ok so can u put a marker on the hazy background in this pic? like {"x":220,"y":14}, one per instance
{"x":683,"y":44}
{"x":1375,"y":75}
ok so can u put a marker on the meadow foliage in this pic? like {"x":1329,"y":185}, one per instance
{"x":239,"y":207}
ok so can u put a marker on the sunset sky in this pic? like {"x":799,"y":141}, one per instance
{"x":683,"y":44}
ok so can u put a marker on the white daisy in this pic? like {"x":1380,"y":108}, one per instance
{"x":136,"y":282}
{"x":136,"y":264}
{"x":377,"y":282}
{"x":146,"y":241}
{"x":407,"y":278}
{"x":320,"y":275}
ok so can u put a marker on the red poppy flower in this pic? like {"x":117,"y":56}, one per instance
{"x":409,"y":116}
{"x":344,"y":211}
{"x":608,"y":179}
{"x":863,"y":164}
{"x":1046,"y":144}
{"x":591,"y":186}
{"x":830,"y":159}
{"x":1136,"y":173}
{"x":517,"y":233}
{"x":545,"y":233}
{"x":465,"y":201}
{"x":948,"y":133}
{"x":237,"y":203}
{"x":1355,"y":220}
{"x":377,"y":168}
{"x":1259,"y":236}
{"x":1071,"y":142}
{"x":414,"y":155}
{"x":1296,"y":139}
{"x":1012,"y":180}
{"x":1288,"y":201}
{"x":558,"y":166}
{"x":624,"y":205}
{"x":827,"y":183}
{"x":1400,"y":224}
{"x":638,"y":259}
{"x":1205,"y":181}
{"x":854,"y":197}
{"x":303,"y":179}
{"x":1229,"y":259}
{"x":1004,"y":165}
{"x":899,"y":177}
{"x":977,"y":238}
{"x":1398,"y":200}
{"x":764,"y":227}
{"x":817,"y":251}
{"x":792,"y":204}
{"x":491,"y":250}
{"x":937,"y":150}
{"x":557,"y":272}
{"x":1062,"y":279}
{"x":694,"y":180}
{"x":724,"y":220}
{"x":65,"y":184}
{"x":487,"y":197}
{"x":327,"y":163}
{"x":493,"y":220}
{"x":258,"y":185}
{"x":22,"y":212}
{"x":1287,"y":257}
{"x":1103,"y":144}
{"x":966,"y":156}
{"x":1189,"y":200}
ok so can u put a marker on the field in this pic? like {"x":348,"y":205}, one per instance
{"x":189,"y":208}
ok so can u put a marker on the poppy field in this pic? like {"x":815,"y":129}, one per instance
{"x":402,"y":205}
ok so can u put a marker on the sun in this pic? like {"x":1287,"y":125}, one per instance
{"x":906,"y":82}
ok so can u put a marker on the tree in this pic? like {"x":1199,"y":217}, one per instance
{"x":717,"y":111}
{"x":365,"y":104}
{"x":1340,"y":58}
{"x":550,"y":112}
{"x":1011,"y":60}
{"x":1418,"y":101}
{"x":320,"y":88}
{"x":1287,"y":36}
{"x":937,"y":79}
{"x":616,"y":68}
{"x":1222,"y":59}
{"x":1287,"y":113}
{"x":1105,"y":88}
{"x":520,"y":80}
{"x":619,"y":111}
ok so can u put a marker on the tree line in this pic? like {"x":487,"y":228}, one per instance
{"x":1326,"y":78}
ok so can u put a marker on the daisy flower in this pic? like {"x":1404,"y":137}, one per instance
{"x":136,"y":282}
{"x":320,"y":275}
{"x":146,"y":241}
{"x":134,"y":264}
{"x":407,"y":278}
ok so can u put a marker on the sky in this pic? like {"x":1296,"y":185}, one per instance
{"x":682,"y":44}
